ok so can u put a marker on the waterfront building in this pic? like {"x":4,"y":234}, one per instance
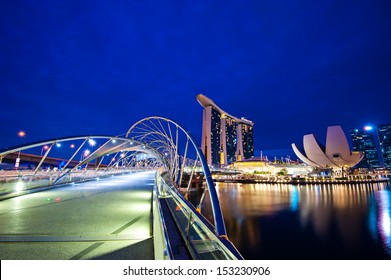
{"x":261,"y":167}
{"x":384,"y":132}
{"x":335,"y":155}
{"x":365,"y":140}
{"x":225,"y":138}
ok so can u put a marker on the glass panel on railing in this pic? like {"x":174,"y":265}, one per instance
{"x":204,"y":243}
{"x":201,"y":240}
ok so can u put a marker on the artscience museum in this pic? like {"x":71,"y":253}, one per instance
{"x":334,"y":155}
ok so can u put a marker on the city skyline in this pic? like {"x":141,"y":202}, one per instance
{"x":375,"y":143}
{"x":77,"y":69}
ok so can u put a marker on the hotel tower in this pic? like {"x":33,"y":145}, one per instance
{"x":225,"y":138}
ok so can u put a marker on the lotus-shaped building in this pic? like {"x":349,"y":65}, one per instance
{"x":336,"y":154}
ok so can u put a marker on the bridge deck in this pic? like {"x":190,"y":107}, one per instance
{"x":106,"y":219}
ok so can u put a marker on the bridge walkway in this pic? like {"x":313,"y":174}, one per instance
{"x":105,"y":219}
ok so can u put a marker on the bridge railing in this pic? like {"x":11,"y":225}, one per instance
{"x":197,"y":232}
{"x":14,"y":183}
{"x":53,"y":162}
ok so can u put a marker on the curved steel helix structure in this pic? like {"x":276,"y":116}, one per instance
{"x":182,"y":159}
{"x":153,"y":143}
{"x":79,"y":157}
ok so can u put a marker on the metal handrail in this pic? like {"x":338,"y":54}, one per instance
{"x":162,"y":222}
{"x":194,"y":217}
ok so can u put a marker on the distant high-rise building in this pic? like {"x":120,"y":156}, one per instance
{"x":365,"y":140}
{"x":384,"y":132}
{"x":225,"y":138}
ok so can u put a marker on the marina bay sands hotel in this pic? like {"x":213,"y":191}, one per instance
{"x":225,"y":138}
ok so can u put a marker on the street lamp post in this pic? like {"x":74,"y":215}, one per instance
{"x":21,"y":134}
{"x":84,"y":155}
{"x":44,"y":148}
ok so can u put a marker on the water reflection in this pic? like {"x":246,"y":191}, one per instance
{"x":384,"y":218}
{"x":308,"y":221}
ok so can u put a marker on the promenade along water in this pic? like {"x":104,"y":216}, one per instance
{"x":271,"y":221}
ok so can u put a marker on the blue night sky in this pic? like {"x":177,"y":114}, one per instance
{"x":96,"y":67}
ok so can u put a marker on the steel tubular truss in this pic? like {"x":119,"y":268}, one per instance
{"x":153,"y":143}
{"x":90,"y":157}
{"x":182,"y":158}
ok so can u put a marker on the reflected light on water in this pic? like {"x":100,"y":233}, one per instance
{"x":295,"y":198}
{"x":338,"y":219}
{"x":384,"y":223}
